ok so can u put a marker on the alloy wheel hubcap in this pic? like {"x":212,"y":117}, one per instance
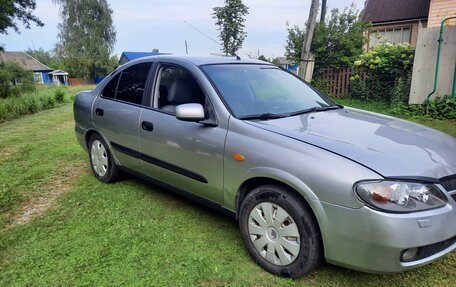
{"x":99,"y":158}
{"x":274,"y":233}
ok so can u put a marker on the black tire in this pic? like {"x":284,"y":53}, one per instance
{"x":112,"y":173}
{"x":311,"y":248}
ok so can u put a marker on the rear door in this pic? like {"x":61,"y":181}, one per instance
{"x":117,"y":110}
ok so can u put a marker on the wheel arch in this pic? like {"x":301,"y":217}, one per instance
{"x":250,"y":184}
{"x":89,"y":134}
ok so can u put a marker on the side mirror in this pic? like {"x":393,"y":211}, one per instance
{"x":190,"y":112}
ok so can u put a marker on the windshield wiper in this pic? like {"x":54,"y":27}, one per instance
{"x":264,"y":116}
{"x":317,"y":109}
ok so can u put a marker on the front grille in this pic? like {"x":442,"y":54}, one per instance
{"x":448,"y":182}
{"x":429,"y":250}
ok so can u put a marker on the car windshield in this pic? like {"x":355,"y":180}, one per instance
{"x":261,"y":91}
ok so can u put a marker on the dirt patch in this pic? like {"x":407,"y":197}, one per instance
{"x":63,"y":125}
{"x":7,"y":152}
{"x":56,"y":187}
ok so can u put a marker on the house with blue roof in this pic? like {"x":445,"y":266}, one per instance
{"x":128,"y":56}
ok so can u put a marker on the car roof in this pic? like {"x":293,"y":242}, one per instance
{"x":204,"y":60}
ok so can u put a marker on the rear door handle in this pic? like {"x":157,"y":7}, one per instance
{"x":99,"y":112}
{"x":147,"y":126}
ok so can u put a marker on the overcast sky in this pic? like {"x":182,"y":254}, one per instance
{"x":142,"y":25}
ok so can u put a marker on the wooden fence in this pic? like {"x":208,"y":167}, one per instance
{"x":335,"y":82}
{"x":81,"y":82}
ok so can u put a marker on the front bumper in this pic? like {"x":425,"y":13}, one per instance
{"x":372,"y":241}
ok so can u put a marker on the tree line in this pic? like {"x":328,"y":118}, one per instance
{"x":87,"y":35}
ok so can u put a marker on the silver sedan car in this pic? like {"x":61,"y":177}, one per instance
{"x":308,"y":180}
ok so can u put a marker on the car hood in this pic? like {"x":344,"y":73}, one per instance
{"x":389,"y":146}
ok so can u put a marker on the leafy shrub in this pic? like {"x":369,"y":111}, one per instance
{"x":386,"y":70}
{"x":443,"y":108}
{"x":401,"y":90}
{"x":11,"y":72}
{"x":31,"y":102}
{"x":321,"y":85}
{"x":358,"y":89}
{"x":59,"y":96}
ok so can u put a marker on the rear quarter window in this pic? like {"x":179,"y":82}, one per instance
{"x":109,"y":90}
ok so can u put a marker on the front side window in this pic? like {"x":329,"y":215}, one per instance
{"x":251,"y":90}
{"x":132,"y":83}
{"x":176,"y":86}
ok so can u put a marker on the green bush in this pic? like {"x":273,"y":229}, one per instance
{"x":32,"y":102}
{"x":59,"y":96}
{"x":401,"y":91}
{"x":443,"y":108}
{"x":358,"y":89}
{"x":385,"y":72}
{"x":11,"y":72}
{"x":321,"y":85}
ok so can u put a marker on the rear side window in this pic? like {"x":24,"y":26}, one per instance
{"x":132,"y":83}
{"x":110,"y":90}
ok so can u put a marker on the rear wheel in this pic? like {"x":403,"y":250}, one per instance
{"x":280,"y":232}
{"x":101,"y":161}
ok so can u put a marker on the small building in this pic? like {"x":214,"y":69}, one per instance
{"x":394,"y":21}
{"x":128,"y":56}
{"x":42,"y":74}
{"x":59,"y":77}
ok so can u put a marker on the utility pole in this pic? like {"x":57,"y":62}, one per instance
{"x":323,"y":11}
{"x":186,"y":48}
{"x":310,"y":27}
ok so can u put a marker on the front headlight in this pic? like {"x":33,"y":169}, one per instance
{"x":401,"y":197}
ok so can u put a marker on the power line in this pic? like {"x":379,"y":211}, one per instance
{"x":215,"y":41}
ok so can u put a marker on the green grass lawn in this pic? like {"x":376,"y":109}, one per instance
{"x":74,"y":230}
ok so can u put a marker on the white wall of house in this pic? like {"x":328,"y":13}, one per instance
{"x":425,"y":64}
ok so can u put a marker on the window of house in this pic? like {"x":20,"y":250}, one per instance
{"x":109,"y":90}
{"x":394,"y":36}
{"x":16,"y":81}
{"x":38,"y":77}
{"x":132,"y":83}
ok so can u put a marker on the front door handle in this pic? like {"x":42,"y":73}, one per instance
{"x":147,"y":126}
{"x":99,"y":112}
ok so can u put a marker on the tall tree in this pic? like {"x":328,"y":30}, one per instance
{"x":336,"y":43}
{"x":230,"y":21}
{"x":17,"y":10}
{"x":310,"y":26}
{"x":86,"y":38}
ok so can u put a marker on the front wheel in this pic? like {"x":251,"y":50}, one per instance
{"x":103,"y":166}
{"x":280,"y":232}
